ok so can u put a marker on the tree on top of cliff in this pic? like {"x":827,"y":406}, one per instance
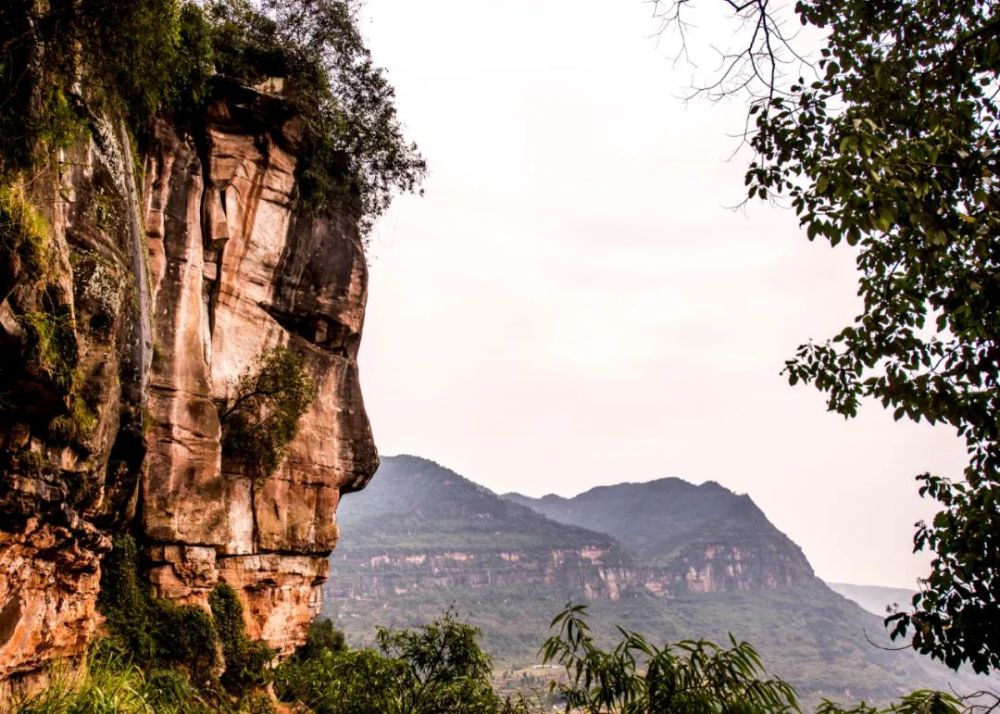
{"x":356,"y":148}
{"x":888,"y":142}
{"x":134,"y":57}
{"x":64,"y":62}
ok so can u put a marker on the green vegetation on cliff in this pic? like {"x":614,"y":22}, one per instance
{"x":157,"y":656}
{"x":152,"y":631}
{"x":260,"y":416}
{"x":69,"y":66}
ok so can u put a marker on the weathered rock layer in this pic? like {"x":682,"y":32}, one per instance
{"x":154,"y":297}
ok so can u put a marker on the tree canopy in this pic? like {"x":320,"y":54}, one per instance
{"x":355,"y":150}
{"x":887,"y":141}
{"x":691,"y":677}
{"x":66,"y":61}
{"x":437,"y":669}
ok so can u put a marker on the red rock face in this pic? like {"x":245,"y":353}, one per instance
{"x":233,"y":270}
{"x":71,"y":386}
{"x":237,"y":271}
{"x":49,"y":595}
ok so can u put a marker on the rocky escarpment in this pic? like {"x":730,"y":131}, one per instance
{"x":139,"y":296}
{"x":425,"y":529}
{"x":687,"y":538}
{"x":594,"y":571}
{"x":72,"y":378}
{"x":588,"y":572}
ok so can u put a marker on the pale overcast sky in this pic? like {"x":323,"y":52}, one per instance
{"x":573,"y":304}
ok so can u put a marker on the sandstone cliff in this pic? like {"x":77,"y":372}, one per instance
{"x":148,"y":284}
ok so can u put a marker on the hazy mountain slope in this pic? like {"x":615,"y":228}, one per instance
{"x":419,"y":504}
{"x":421,"y":538}
{"x":421,"y":527}
{"x":873,"y":598}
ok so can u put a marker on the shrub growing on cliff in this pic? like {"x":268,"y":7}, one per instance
{"x":148,"y":630}
{"x":246,"y":659}
{"x":261,"y":415}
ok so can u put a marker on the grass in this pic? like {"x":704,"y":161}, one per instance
{"x":109,"y":683}
{"x":52,"y":343}
{"x":24,"y":232}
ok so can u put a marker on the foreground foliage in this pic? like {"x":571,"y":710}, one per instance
{"x":438,"y":669}
{"x":921,"y":702}
{"x":690,"y":677}
{"x":693,"y":677}
{"x":889,"y":143}
{"x":907,"y":170}
{"x":355,"y":146}
{"x":108,"y":684}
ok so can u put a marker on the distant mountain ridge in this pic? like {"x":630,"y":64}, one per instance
{"x":702,"y":562}
{"x":700,"y":538}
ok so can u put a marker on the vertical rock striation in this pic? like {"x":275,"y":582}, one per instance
{"x":116,"y":356}
{"x":71,"y":376}
{"x":236,"y":271}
